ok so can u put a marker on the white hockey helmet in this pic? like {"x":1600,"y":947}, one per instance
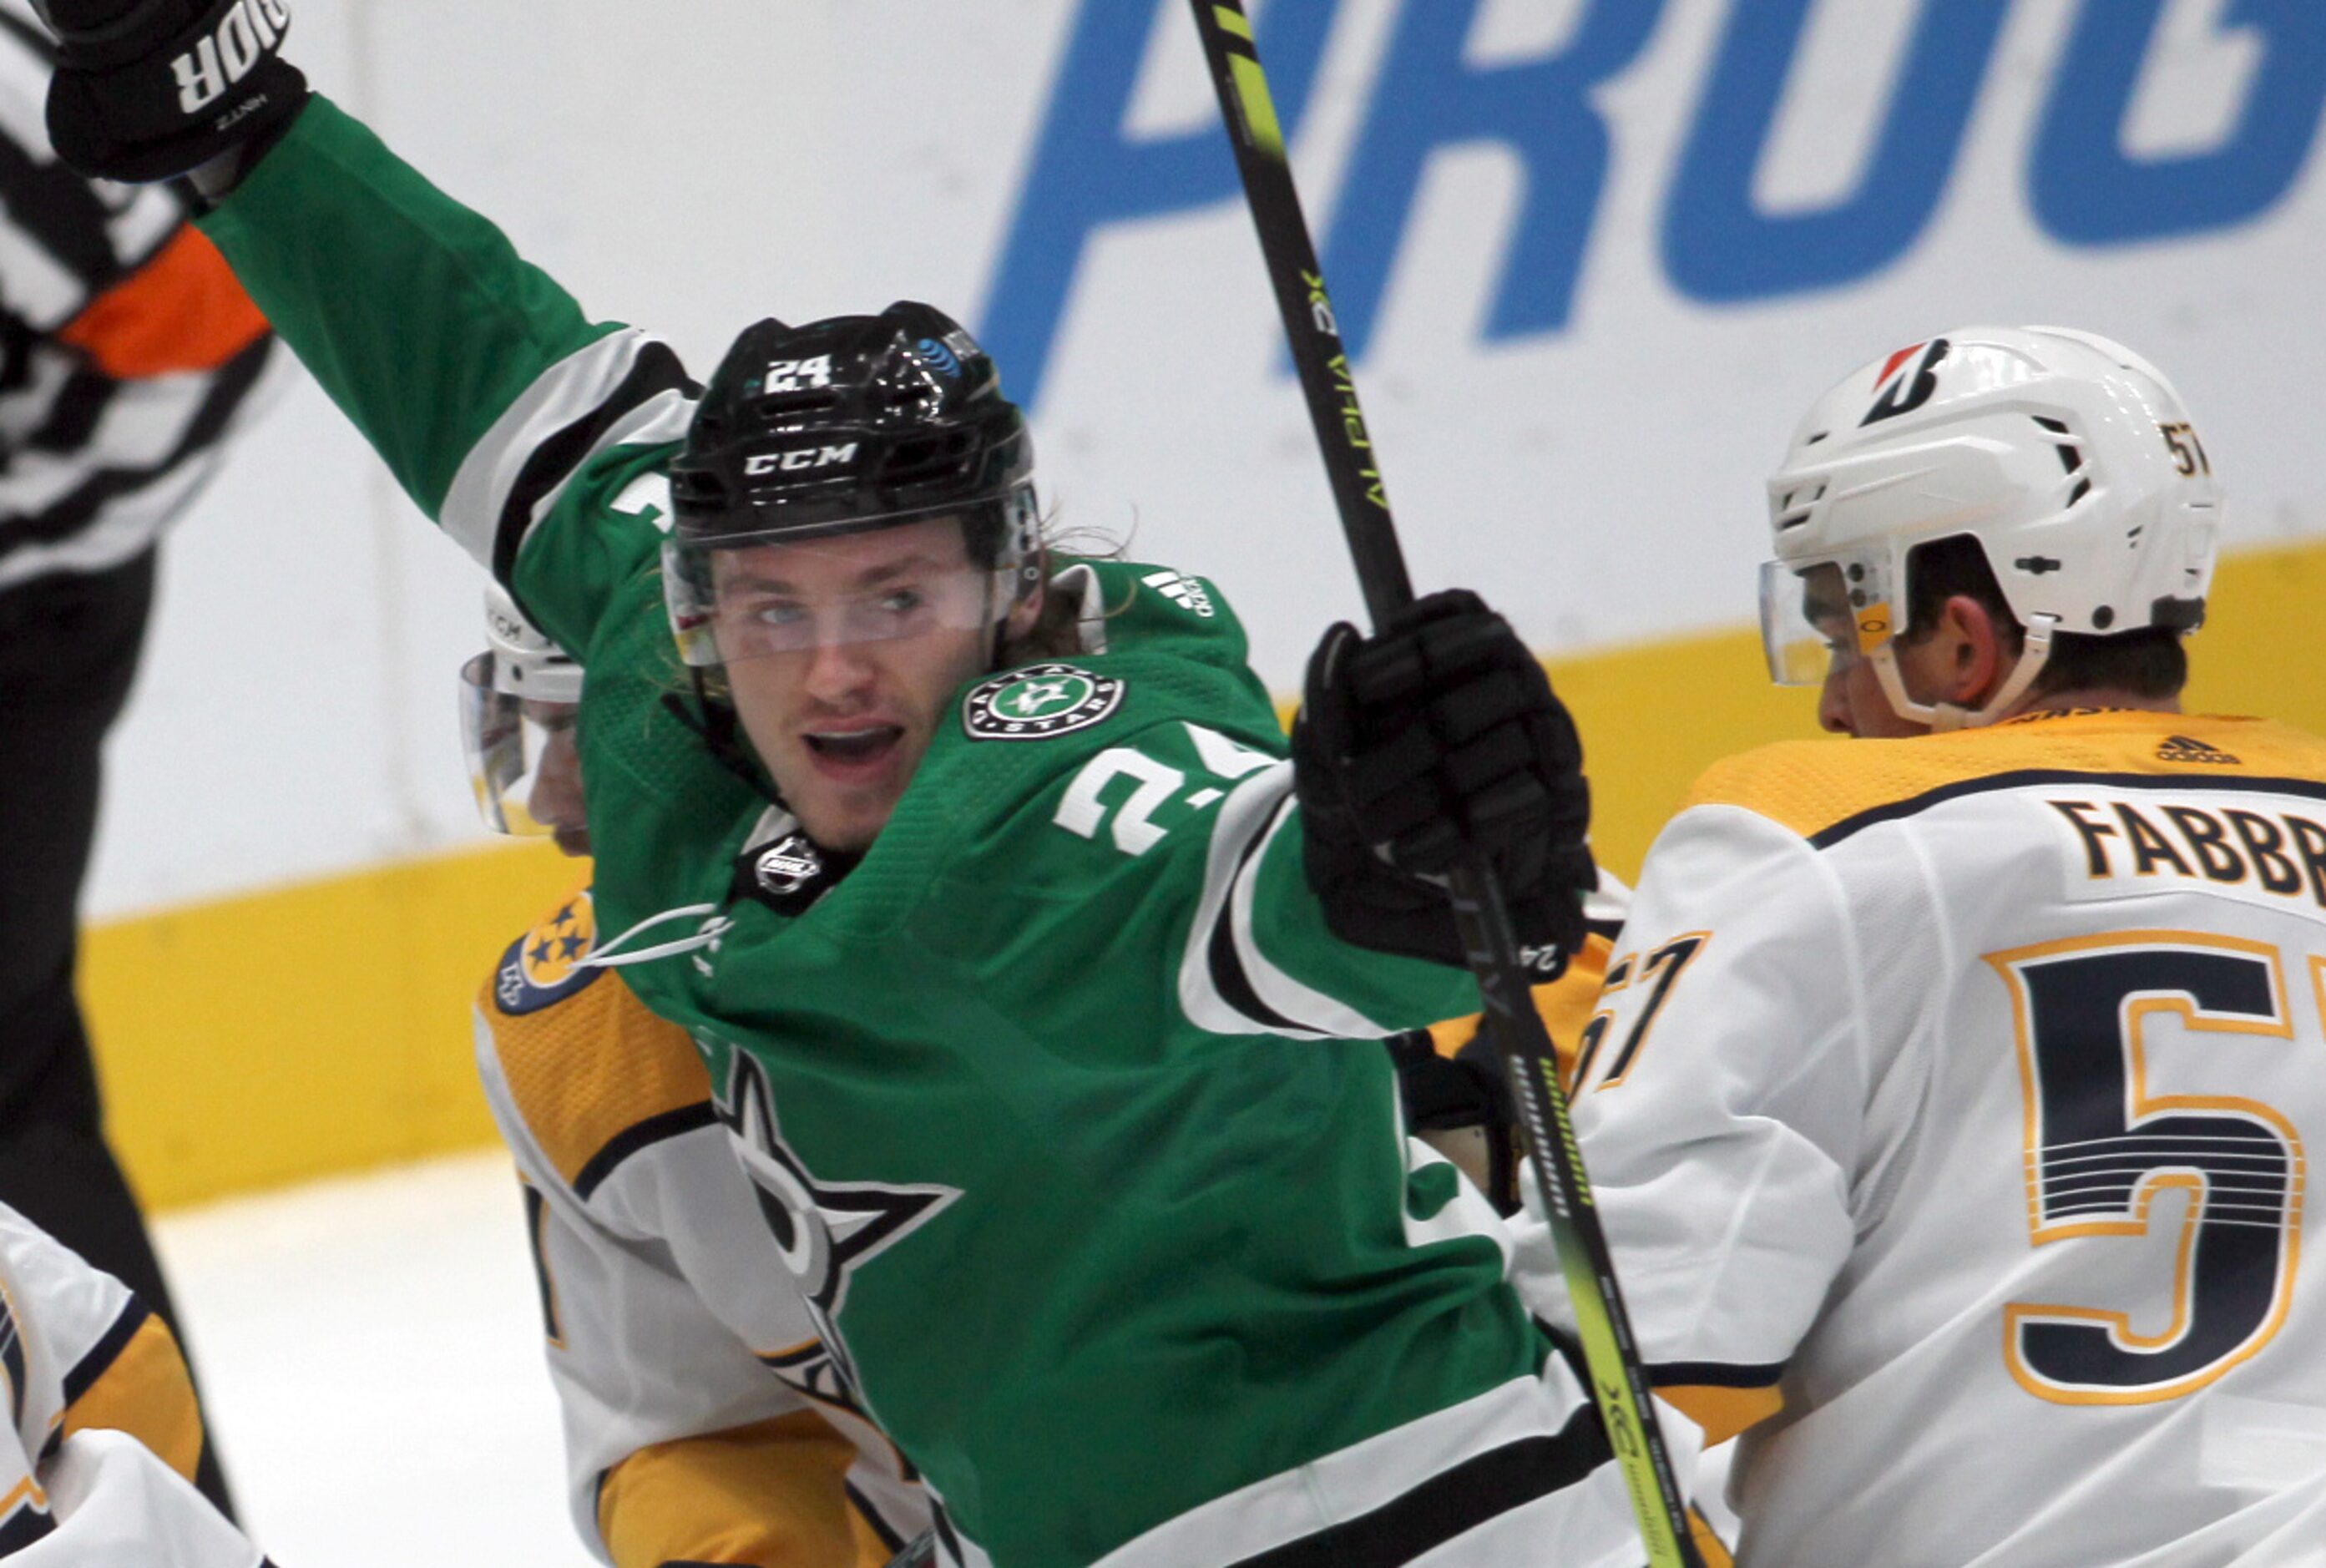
{"x":524,"y":662}
{"x":510,"y":696}
{"x":2067,"y":458}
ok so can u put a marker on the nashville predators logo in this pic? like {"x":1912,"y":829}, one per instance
{"x":544,"y":965}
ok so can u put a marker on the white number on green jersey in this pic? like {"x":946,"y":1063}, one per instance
{"x":1132,"y":787}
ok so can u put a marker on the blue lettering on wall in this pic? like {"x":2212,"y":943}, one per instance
{"x":1718,"y":245}
{"x":2086,"y":191}
{"x":1087,"y":173}
{"x":1430,"y":97}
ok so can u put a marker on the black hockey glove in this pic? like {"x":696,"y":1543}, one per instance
{"x":1435,"y":737}
{"x":1461,"y":1106}
{"x":146,"y":89}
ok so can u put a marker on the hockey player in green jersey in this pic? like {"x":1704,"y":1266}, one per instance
{"x":1044,"y":1009}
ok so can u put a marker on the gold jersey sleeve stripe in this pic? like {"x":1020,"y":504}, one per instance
{"x":144,"y":1389}
{"x":1565,"y":1003}
{"x":1723,"y":1412}
{"x":1819,"y":789}
{"x":772,"y":1495}
{"x":1708,"y":1543}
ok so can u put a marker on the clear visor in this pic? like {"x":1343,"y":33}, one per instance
{"x":508,"y":738}
{"x":1818,"y":617}
{"x":738,"y":599}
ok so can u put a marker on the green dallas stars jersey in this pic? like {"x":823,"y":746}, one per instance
{"x":1069,"y":1114}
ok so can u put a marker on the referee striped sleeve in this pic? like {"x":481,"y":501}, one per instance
{"x":127,"y":349}
{"x":109,"y":463}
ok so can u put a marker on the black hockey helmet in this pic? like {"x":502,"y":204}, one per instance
{"x":845,"y":423}
{"x":845,"y":426}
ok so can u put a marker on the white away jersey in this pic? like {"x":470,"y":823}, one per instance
{"x":102,"y":1431}
{"x":1957,"y":1091}
{"x":703,"y":1420}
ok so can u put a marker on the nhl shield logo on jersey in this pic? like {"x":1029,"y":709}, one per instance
{"x":544,"y":965}
{"x":784,"y":868}
{"x":790,"y":871}
{"x":1038,"y":702}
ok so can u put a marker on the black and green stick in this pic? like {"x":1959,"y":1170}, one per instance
{"x":1617,"y":1382}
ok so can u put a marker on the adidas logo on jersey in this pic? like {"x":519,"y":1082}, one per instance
{"x":2183,"y":749}
{"x":1186,"y":592}
{"x":244,"y":36}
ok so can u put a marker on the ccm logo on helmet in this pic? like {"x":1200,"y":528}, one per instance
{"x":225,"y":54}
{"x":800,"y":458}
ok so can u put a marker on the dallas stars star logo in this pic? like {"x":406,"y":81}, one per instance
{"x":1031,"y":699}
{"x":1038,"y":702}
{"x":826,"y":1230}
{"x":807,"y":1369}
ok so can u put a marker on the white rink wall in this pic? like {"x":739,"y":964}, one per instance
{"x":1599,"y":253}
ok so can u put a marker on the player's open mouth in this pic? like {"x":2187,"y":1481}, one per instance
{"x":854,"y":748}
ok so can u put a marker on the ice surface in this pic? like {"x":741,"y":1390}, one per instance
{"x":371,"y":1359}
{"x":371,"y":1355}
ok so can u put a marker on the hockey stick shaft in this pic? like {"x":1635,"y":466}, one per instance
{"x":920,"y":1552}
{"x":1618,"y":1384}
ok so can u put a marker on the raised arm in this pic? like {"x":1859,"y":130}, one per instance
{"x":496,"y":403}
{"x":492,"y":398}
